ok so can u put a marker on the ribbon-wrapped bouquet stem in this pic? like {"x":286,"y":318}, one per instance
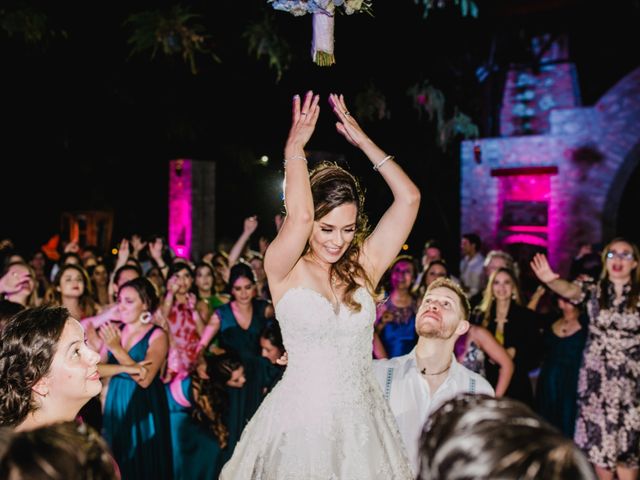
{"x":323,"y":13}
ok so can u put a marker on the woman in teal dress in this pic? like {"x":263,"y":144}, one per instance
{"x":198,"y":406}
{"x":136,"y":415}
{"x":241,"y":322}
{"x":557,"y":387}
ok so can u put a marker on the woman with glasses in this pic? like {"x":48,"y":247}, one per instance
{"x":608,"y":420}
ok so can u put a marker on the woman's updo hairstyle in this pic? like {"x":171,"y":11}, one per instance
{"x":146,"y":291}
{"x":27,"y":347}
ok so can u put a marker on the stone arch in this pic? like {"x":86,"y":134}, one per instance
{"x":612,"y":202}
{"x":620,"y":110}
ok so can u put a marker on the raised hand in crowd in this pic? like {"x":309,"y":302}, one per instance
{"x":250,"y":226}
{"x":12,"y":282}
{"x":137,"y":244}
{"x":542,"y":269}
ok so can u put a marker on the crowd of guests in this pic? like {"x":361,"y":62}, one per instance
{"x":169,"y":359}
{"x":573,"y":360}
{"x":177,"y":358}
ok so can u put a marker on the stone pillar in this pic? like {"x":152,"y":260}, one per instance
{"x":191,"y":207}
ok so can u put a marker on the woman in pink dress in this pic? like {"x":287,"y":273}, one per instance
{"x":183,"y":321}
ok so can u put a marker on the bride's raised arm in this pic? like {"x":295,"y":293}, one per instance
{"x":287,"y":247}
{"x":386,"y":240}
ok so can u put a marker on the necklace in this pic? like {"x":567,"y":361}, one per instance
{"x":566,"y":326}
{"x":424,"y":371}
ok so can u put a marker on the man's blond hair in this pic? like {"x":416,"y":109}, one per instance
{"x":454,"y":287}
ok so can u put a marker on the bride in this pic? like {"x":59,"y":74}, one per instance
{"x":327,"y":418}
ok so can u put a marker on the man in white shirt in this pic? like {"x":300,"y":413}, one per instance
{"x":419,"y":382}
{"x":472,"y":264}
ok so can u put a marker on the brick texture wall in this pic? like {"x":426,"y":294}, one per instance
{"x":594,"y":150}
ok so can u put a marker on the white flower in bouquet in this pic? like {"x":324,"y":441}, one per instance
{"x":352,"y":6}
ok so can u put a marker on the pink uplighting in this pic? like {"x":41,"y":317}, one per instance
{"x":523,"y":238}
{"x":523,"y":202}
{"x":180,"y":207}
{"x":525,"y":188}
{"x":526,"y":228}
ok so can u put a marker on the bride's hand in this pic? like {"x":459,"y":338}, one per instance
{"x":303,"y":123}
{"x":347,"y":126}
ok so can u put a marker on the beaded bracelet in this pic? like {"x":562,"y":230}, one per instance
{"x":382,"y":162}
{"x":295,"y":157}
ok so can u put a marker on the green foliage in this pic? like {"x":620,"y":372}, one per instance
{"x":29,"y":22}
{"x":263,"y":41}
{"x":428,"y":98}
{"x":467,"y":7}
{"x":460,"y":125}
{"x":175,"y":32}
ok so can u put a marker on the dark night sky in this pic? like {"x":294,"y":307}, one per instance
{"x":101,"y":126}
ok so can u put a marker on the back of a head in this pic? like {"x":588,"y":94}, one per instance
{"x":68,"y":451}
{"x":220,"y":367}
{"x":589,"y":264}
{"x":7,"y":310}
{"x":474,"y":239}
{"x":481,"y":437}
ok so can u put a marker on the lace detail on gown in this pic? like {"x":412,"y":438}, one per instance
{"x":326,"y":419}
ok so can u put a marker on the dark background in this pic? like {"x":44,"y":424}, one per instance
{"x":87,"y":126}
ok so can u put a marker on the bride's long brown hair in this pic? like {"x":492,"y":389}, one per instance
{"x":332,"y":186}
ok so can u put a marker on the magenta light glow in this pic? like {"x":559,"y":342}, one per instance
{"x":180,"y":207}
{"x":526,"y":228}
{"x":523,"y":238}
{"x":523,"y":202}
{"x":525,"y":188}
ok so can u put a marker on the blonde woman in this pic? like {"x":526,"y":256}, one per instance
{"x":515,"y":328}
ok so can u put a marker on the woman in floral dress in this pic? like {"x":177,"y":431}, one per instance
{"x":184,"y":322}
{"x":608,"y":420}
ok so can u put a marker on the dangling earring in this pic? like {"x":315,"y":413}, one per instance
{"x":513,"y":296}
{"x":145,"y":317}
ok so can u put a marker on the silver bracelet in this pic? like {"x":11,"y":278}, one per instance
{"x":382,"y":162}
{"x":295,"y":157}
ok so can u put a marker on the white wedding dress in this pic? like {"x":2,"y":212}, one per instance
{"x":326,"y":419}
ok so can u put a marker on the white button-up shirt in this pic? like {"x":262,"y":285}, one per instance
{"x":471,"y":271}
{"x":411,"y":401}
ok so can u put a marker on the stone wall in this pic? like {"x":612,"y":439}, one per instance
{"x":592,"y":149}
